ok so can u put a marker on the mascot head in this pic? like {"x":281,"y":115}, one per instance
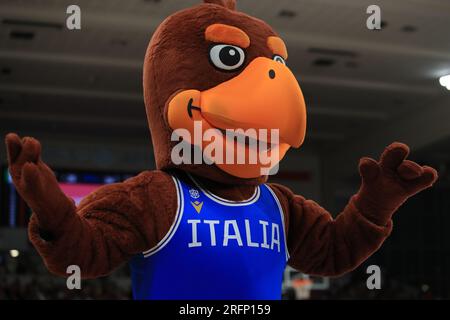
{"x":211,"y":67}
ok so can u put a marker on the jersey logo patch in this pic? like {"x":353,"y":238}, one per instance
{"x":194,"y":193}
{"x":197,"y":205}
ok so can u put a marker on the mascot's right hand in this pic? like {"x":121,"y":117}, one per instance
{"x":36,"y":182}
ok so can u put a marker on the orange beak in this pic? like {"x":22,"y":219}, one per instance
{"x":265,"y":95}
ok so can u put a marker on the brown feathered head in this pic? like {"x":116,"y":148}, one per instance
{"x":213,"y":69}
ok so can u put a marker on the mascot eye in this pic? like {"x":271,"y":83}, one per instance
{"x":279,"y":59}
{"x":227,"y":57}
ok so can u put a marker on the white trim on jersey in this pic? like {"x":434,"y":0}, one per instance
{"x":227,"y":202}
{"x":280,"y":208}
{"x":173,"y":228}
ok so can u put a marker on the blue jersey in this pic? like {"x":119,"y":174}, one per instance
{"x":216,"y":249}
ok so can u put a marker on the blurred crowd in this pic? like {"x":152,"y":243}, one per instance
{"x":45,"y":288}
{"x":392,"y":289}
{"x":25,"y":277}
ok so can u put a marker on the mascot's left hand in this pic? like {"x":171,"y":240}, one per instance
{"x":388,"y":183}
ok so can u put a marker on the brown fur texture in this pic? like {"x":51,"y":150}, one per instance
{"x":121,"y":220}
{"x":229,"y":4}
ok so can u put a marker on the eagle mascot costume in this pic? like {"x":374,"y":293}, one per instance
{"x":212,"y":230}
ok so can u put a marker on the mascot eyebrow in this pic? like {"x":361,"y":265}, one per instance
{"x":277,"y":46}
{"x":223,"y":33}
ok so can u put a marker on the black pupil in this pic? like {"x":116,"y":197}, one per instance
{"x":229,"y":56}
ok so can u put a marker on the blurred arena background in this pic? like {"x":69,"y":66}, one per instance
{"x":80,"y":94}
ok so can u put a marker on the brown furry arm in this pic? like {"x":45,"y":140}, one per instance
{"x":109,"y":226}
{"x":321,"y":245}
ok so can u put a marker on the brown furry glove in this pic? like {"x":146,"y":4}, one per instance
{"x":388,"y":183}
{"x":37,"y":184}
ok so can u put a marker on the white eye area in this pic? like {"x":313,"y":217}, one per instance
{"x":279,"y":59}
{"x":227,"y":57}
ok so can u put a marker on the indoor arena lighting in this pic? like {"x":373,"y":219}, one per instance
{"x":14,"y":253}
{"x":445,"y":81}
